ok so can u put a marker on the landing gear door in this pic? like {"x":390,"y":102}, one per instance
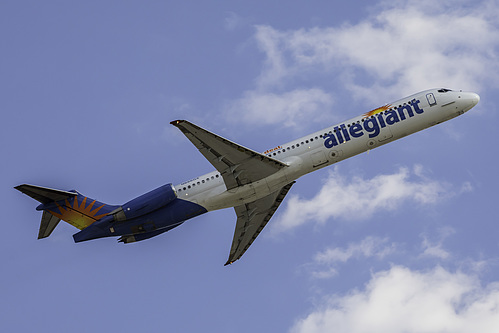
{"x":431,"y":99}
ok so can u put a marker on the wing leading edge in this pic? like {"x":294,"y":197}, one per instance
{"x":237,"y":165}
{"x":251,"y":219}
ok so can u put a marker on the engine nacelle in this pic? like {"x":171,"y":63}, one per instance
{"x":146,"y":203}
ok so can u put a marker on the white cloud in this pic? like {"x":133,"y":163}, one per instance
{"x":269,"y":40}
{"x":288,"y":109}
{"x":407,"y":46}
{"x":358,"y":198}
{"x":435,"y":248}
{"x":404,"y":47}
{"x":403,"y":300}
{"x":325,"y":263}
{"x":369,"y":247}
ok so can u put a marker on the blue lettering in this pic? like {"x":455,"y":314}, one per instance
{"x":415,"y":105}
{"x":372,"y":127}
{"x":330,"y":141}
{"x":338,"y":134}
{"x":381,"y":120}
{"x":401,"y":111}
{"x":356,"y":130}
{"x":392,"y":117}
{"x":345,"y":132}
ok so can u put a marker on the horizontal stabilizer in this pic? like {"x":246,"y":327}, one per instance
{"x":44,"y":195}
{"x":48,"y":224}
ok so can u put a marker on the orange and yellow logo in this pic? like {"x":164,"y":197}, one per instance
{"x":376,"y":111}
{"x":78,"y":214}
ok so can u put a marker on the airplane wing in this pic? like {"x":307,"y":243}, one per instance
{"x":238,"y":165}
{"x":251,"y":219}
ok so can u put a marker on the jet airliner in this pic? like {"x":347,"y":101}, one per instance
{"x":254,"y":183}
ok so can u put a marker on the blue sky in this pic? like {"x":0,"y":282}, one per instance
{"x":401,"y":239}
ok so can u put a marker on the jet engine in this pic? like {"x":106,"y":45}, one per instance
{"x":145,"y":204}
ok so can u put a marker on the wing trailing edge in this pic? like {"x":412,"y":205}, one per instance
{"x":251,"y":219}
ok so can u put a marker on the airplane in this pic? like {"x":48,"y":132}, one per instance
{"x":255,"y":184}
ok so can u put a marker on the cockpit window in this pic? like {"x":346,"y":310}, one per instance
{"x":443,"y":90}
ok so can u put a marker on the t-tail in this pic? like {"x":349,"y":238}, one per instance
{"x":69,"y":206}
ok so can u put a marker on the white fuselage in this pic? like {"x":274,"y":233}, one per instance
{"x":333,"y":144}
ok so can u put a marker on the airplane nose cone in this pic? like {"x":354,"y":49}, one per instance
{"x":468,"y":100}
{"x":475,"y":98}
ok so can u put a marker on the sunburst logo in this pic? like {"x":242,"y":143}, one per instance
{"x":376,"y":111}
{"x":79,"y":214}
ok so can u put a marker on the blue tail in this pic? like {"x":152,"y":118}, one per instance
{"x":69,"y":206}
